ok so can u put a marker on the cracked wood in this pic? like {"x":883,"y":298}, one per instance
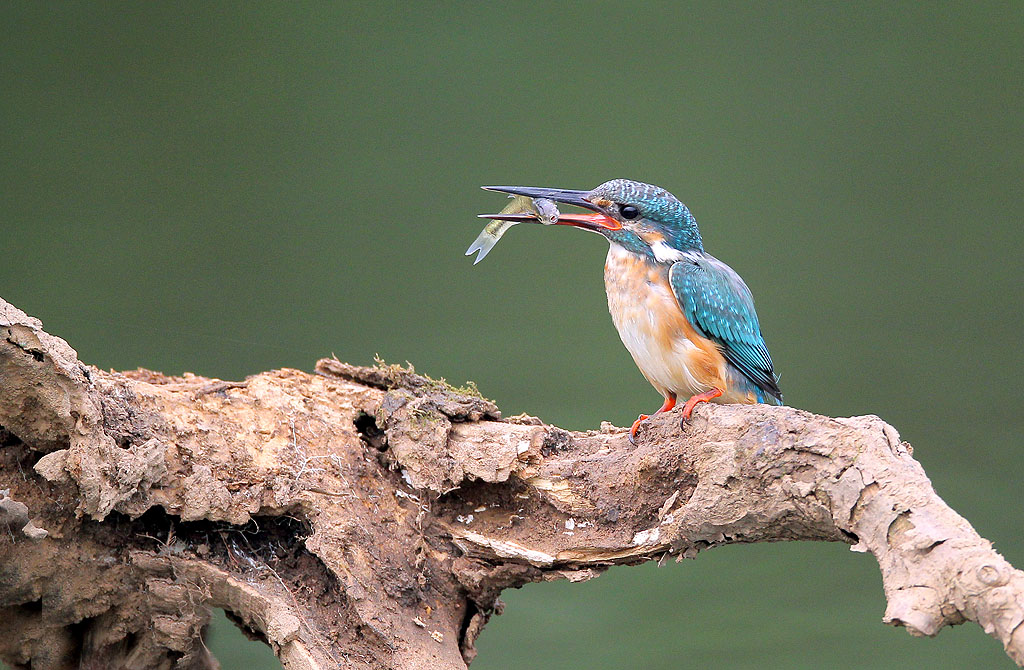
{"x":371,"y":517}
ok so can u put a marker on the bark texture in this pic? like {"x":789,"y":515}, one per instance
{"x":370,"y":517}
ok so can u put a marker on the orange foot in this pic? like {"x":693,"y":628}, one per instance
{"x":636,"y":426}
{"x":692,"y":402}
{"x":669,"y":403}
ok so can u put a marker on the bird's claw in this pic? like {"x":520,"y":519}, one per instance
{"x":707,"y":396}
{"x":636,"y":426}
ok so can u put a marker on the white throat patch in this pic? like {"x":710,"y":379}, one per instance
{"x":663,"y":253}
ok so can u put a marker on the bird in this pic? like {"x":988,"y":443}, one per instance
{"x":687,"y":318}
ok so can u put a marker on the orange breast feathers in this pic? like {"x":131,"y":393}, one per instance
{"x":665,"y":346}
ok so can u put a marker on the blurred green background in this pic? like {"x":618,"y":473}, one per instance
{"x":226,"y":188}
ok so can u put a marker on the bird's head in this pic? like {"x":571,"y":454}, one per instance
{"x":641,"y":217}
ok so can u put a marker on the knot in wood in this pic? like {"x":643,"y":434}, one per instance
{"x":984,"y":574}
{"x":992,"y":575}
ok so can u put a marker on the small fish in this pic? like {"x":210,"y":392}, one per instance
{"x":545,"y":210}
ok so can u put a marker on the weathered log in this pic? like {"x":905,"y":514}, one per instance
{"x":370,"y":517}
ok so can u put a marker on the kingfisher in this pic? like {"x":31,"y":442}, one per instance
{"x":686,"y":317}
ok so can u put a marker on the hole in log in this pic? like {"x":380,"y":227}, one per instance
{"x":7,"y":438}
{"x":366,"y":426}
{"x":79,"y":633}
{"x":35,"y":606}
{"x":236,"y":645}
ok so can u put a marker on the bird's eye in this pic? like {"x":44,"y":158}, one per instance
{"x":628,"y":212}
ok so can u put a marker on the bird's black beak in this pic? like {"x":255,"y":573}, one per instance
{"x":562,"y":195}
{"x":597,"y":221}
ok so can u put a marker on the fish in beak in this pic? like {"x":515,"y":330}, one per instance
{"x":596,"y":221}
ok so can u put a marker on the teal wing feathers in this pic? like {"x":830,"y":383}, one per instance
{"x":717,"y":302}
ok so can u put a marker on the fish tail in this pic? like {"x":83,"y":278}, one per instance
{"x":482,"y":244}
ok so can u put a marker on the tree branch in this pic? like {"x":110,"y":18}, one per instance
{"x":370,"y":517}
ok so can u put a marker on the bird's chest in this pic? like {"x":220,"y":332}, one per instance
{"x":649,"y":320}
{"x":638,"y":292}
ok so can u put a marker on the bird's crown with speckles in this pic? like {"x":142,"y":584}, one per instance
{"x":653,"y":201}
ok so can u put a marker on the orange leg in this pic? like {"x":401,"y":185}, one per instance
{"x":700,"y":397}
{"x":669,"y":403}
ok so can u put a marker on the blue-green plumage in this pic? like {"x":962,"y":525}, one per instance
{"x":686,"y":317}
{"x":717,"y":302}
{"x":714,"y":299}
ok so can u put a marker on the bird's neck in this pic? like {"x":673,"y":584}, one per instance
{"x":686,"y":236}
{"x":627,"y":240}
{"x":663,"y":246}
